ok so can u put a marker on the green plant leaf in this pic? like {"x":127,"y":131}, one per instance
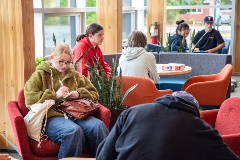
{"x":109,"y":92}
{"x":128,"y":91}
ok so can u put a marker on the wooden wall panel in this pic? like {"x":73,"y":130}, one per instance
{"x":109,"y":15}
{"x":236,"y":47}
{"x":156,"y":13}
{"x":16,"y":55}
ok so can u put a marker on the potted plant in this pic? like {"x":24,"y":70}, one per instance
{"x":108,"y":89}
{"x":38,"y":60}
{"x":168,"y":43}
{"x":181,"y":48}
{"x":191,"y":39}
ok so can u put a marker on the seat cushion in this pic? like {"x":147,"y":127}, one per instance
{"x":227,"y":121}
{"x":175,"y":84}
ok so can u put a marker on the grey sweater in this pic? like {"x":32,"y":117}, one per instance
{"x":136,"y":61}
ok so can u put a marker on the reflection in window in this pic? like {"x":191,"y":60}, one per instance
{"x":195,"y":11}
{"x":134,"y":17}
{"x":59,"y":26}
{"x":65,"y":29}
{"x":127,"y":27}
{"x":197,"y":2}
{"x":126,"y":3}
{"x":55,"y":3}
{"x":196,"y":21}
{"x":90,"y":3}
{"x":91,"y":18}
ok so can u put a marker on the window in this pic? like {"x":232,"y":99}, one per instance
{"x":194,"y":11}
{"x":63,"y":29}
{"x":64,"y":18}
{"x":68,"y":18}
{"x":134,"y":18}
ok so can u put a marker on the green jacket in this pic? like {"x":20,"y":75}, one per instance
{"x":36,"y":89}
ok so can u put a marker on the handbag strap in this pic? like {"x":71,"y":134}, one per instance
{"x":49,"y":85}
{"x":84,"y":54}
{"x":47,"y":75}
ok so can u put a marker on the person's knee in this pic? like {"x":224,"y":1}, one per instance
{"x":75,"y":130}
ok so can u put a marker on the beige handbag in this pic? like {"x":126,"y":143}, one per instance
{"x":36,"y":120}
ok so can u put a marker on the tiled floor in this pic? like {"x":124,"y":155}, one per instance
{"x":14,"y":155}
{"x":236,"y":93}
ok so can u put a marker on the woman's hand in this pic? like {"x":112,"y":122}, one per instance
{"x":72,"y":95}
{"x":62,"y":92}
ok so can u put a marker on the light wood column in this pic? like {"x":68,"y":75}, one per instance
{"x":156,"y":13}
{"x":16,"y":55}
{"x":109,"y":15}
{"x":236,"y":47}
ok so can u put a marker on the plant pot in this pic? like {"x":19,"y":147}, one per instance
{"x":114,"y":116}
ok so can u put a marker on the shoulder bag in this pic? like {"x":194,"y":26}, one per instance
{"x":79,"y":108}
{"x":36,"y":120}
{"x":84,"y":54}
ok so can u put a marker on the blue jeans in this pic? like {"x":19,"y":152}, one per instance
{"x":72,"y":135}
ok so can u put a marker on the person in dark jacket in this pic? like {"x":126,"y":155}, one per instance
{"x":169,"y":128}
{"x":182,"y":31}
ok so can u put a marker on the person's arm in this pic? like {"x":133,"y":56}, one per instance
{"x":220,"y":42}
{"x":36,"y":91}
{"x":216,"y":48}
{"x":153,"y":69}
{"x":106,"y":150}
{"x":218,"y":149}
{"x":175,"y":44}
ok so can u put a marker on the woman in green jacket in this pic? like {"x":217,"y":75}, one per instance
{"x":70,"y":134}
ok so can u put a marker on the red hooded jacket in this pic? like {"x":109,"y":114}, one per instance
{"x":78,"y":51}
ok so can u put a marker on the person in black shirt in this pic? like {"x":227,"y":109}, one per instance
{"x":170,"y":128}
{"x":209,"y":39}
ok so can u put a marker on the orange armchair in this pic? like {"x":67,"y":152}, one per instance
{"x":28,"y":147}
{"x":145,"y":92}
{"x":210,"y":90}
{"x":226,"y":121}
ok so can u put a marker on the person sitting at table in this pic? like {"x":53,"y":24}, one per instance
{"x":170,"y":128}
{"x":182,"y":31}
{"x":136,"y":61}
{"x":208,"y":39}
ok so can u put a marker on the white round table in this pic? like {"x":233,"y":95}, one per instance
{"x":187,"y":69}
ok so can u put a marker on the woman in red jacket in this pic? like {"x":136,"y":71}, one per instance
{"x":89,"y":41}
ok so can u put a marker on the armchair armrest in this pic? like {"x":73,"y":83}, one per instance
{"x":209,"y":92}
{"x":104,"y":115}
{"x":201,"y":78}
{"x":233,"y":142}
{"x":166,"y":91}
{"x":19,"y":128}
{"x":209,"y":116}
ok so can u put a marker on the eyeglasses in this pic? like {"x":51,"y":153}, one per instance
{"x":188,"y":30}
{"x":65,"y":62}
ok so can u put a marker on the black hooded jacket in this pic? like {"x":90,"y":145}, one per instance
{"x":168,"y":129}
